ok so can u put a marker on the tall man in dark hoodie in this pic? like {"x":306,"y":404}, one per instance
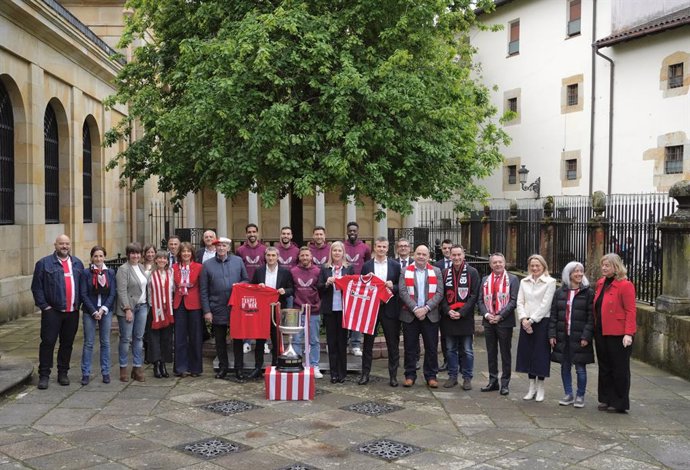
{"x":252,"y":251}
{"x":356,"y":253}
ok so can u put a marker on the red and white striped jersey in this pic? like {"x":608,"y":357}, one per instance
{"x":362,"y":295}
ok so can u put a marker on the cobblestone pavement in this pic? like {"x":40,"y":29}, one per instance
{"x":162,"y":423}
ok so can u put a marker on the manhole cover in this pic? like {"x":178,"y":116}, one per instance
{"x":229,"y":407}
{"x":386,"y":449}
{"x":371,"y":408}
{"x":297,"y":466}
{"x":212,"y":448}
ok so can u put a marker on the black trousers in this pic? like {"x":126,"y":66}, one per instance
{"x":189,"y":340}
{"x":160,"y":344}
{"x":238,"y":353}
{"x":429,"y":332}
{"x":220,"y":334}
{"x":259,"y":350}
{"x":391,"y":331}
{"x":336,"y":338}
{"x":56,"y":325}
{"x":444,"y":349}
{"x":614,"y":371}
{"x":498,"y":337}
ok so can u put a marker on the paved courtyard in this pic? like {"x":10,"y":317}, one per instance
{"x":204,"y":423}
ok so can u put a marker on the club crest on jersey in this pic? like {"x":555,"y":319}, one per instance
{"x":252,"y":260}
{"x":285,"y":261}
{"x":303,"y":283}
{"x":353,"y":259}
{"x":250,"y":304}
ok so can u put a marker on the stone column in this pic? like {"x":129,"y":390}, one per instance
{"x":597,"y":227}
{"x":546,"y":233}
{"x":486,"y":232}
{"x":190,"y":209}
{"x":675,"y":246}
{"x":221,"y":215}
{"x":512,"y":242}
{"x":351,"y":210}
{"x":253,"y":208}
{"x":320,"y":208}
{"x":465,"y":232}
{"x":285,"y":211}
{"x":412,"y":220}
{"x":381,"y":226}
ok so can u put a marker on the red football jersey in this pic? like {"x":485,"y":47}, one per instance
{"x":250,"y":316}
{"x":361,"y":298}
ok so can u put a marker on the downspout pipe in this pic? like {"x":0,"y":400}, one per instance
{"x":611,"y":78}
{"x":593,"y":97}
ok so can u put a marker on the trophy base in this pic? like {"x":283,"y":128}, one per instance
{"x":289,"y":364}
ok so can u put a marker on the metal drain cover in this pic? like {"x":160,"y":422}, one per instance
{"x":212,"y":448}
{"x":386,"y":449}
{"x":229,"y":407}
{"x":371,"y":408}
{"x":297,"y":466}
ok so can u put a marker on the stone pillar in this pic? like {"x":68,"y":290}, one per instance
{"x":320,"y":208}
{"x":285,"y":211}
{"x":675,"y":246}
{"x":221,"y":215}
{"x":465,"y":232}
{"x":597,"y":227}
{"x":512,"y":242}
{"x":190,"y":209}
{"x":253,"y":208}
{"x":486,"y":232}
{"x":381,"y":226}
{"x":412,"y":220}
{"x":546,"y":233}
{"x":351,"y":210}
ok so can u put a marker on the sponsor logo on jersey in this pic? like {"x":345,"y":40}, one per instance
{"x":305,"y":284}
{"x":252,"y":260}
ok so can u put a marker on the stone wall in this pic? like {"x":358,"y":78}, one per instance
{"x":663,"y":340}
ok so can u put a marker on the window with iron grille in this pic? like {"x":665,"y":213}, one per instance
{"x":514,"y":42}
{"x":675,"y":75}
{"x":6,"y":158}
{"x":573,"y":94}
{"x":512,"y":174}
{"x":574,"y":15}
{"x":673,"y":160}
{"x":512,"y":105}
{"x":571,"y":169}
{"x":52,"y":167}
{"x":88,"y":190}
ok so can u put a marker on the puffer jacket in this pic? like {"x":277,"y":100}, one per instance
{"x":581,"y":325}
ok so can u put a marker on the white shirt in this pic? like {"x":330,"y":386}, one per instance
{"x":271,"y":277}
{"x":142,"y":282}
{"x":534,"y":298}
{"x":208,"y":254}
{"x":381,"y":269}
{"x":420,"y":280}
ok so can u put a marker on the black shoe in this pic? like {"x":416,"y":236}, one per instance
{"x":363,"y":379}
{"x":43,"y":382}
{"x":85,"y":380}
{"x":157,"y":370}
{"x":334,"y":379}
{"x":504,"y":390}
{"x":63,"y":379}
{"x":106,"y":379}
{"x":341,"y":380}
{"x":164,"y":370}
{"x":240,"y":377}
{"x":444,"y":367}
{"x":222,"y":372}
{"x":255,"y":374}
{"x":491,"y":387}
{"x":393,"y":382}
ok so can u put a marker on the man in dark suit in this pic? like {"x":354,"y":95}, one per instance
{"x":388,"y":270}
{"x":497,"y":303}
{"x":279,"y":278}
{"x":208,"y":251}
{"x":444,"y":263}
{"x":405,"y":260}
{"x":420,"y":292}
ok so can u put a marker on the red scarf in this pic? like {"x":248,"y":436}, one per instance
{"x":496,"y":293}
{"x":99,"y":280}
{"x":161,"y":300}
{"x":410,"y":279}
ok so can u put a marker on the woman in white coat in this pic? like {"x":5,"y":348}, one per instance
{"x":534,"y":309}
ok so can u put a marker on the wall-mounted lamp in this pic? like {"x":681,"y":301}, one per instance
{"x":523,"y":180}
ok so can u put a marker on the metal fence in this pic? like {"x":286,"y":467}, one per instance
{"x":163,"y":221}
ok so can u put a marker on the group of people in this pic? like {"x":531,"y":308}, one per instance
{"x":343,"y":284}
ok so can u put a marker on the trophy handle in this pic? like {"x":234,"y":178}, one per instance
{"x":275,"y":309}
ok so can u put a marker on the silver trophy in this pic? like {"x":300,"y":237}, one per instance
{"x":290,"y":324}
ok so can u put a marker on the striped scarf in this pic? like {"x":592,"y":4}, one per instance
{"x":496,"y":293}
{"x":161,"y":300}
{"x":410,"y":278}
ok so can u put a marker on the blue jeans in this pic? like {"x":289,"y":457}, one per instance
{"x":460,"y":356}
{"x":314,"y":341}
{"x":104,"y":325}
{"x":355,"y":339}
{"x":580,"y":372}
{"x":133,"y":332}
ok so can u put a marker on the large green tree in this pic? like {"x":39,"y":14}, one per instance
{"x":369,"y":98}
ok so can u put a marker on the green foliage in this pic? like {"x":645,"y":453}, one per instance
{"x":364,"y":97}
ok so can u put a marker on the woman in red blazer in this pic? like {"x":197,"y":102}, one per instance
{"x":615,"y":324}
{"x":189,"y":321}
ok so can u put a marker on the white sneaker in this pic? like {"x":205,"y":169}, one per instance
{"x":357,"y":351}
{"x":267,"y":350}
{"x":246,"y":348}
{"x":579,"y":402}
{"x":317,"y":373}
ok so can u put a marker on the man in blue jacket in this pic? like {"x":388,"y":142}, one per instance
{"x":55,"y":287}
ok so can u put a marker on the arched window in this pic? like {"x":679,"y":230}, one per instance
{"x":52,"y":167}
{"x":6,"y":158}
{"x":87,"y":175}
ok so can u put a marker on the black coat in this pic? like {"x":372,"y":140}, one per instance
{"x":326,"y":292}
{"x":283,"y":281}
{"x":581,"y":325}
{"x":465,"y":324}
